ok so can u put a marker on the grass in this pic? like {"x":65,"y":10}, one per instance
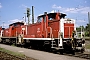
{"x":87,"y":43}
{"x":12,"y":53}
{"x":87,"y":46}
{"x":87,"y":38}
{"x":13,"y":45}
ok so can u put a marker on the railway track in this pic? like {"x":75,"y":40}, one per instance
{"x":80,"y":55}
{"x":85,"y":55}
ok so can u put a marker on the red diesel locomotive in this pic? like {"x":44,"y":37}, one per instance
{"x":51,"y":31}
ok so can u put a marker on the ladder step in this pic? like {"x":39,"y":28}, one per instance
{"x":52,"y":41}
{"x":53,"y":44}
{"x":57,"y":48}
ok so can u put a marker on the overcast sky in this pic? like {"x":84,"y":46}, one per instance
{"x":13,"y":10}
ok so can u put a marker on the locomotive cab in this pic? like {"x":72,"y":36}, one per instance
{"x":16,"y":24}
{"x":18,"y":32}
{"x":15,"y":28}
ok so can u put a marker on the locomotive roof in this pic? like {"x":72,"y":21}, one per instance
{"x":16,"y":23}
{"x":53,"y":14}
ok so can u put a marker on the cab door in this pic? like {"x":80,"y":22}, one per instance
{"x":68,"y":29}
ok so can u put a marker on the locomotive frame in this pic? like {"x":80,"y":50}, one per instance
{"x":51,"y":31}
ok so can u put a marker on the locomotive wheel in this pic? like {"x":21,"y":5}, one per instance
{"x":82,"y":50}
{"x":61,"y":51}
{"x":73,"y":52}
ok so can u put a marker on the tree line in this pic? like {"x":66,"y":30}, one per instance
{"x":85,"y":29}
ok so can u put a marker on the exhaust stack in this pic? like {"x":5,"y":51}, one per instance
{"x":32,"y":14}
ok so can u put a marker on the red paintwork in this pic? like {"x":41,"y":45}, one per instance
{"x":44,"y":29}
{"x":34,"y":31}
{"x":6,"y":33}
{"x":0,"y":28}
{"x":55,"y":28}
{"x":68,"y":29}
{"x":12,"y":31}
